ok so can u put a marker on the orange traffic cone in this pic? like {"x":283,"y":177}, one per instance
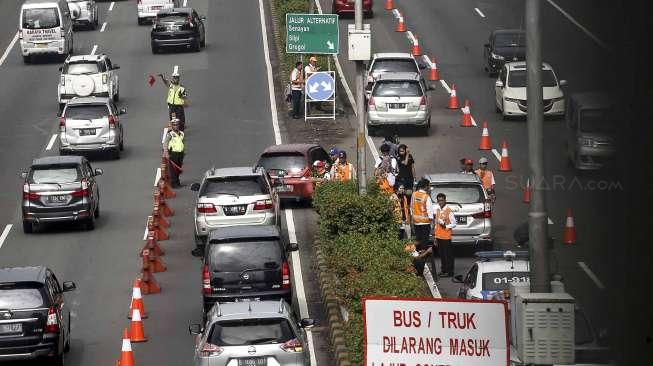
{"x":569,"y":236}
{"x":417,"y":50}
{"x":136,"y":332}
{"x":160,"y":233}
{"x":163,"y":206}
{"x":485,"y":143}
{"x":527,"y":192}
{"x":504,"y":165}
{"x":126,"y":354}
{"x":434,"y":75}
{"x":152,"y":261}
{"x":152,"y":245}
{"x":453,"y":99}
{"x":466,"y":121}
{"x":166,"y":189}
{"x":137,"y":300}
{"x":401,"y":26}
{"x":389,"y":5}
{"x":159,"y":218}
{"x":149,"y":284}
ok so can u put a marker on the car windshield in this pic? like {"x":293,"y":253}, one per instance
{"x":596,"y":121}
{"x":290,"y":162}
{"x":54,"y":174}
{"x":397,"y":89}
{"x":21,"y":296}
{"x":394,"y":65}
{"x":81,"y":68}
{"x":245,"y":332}
{"x":459,"y":193}
{"x":509,"y":40}
{"x":497,"y":281}
{"x":517,"y":79}
{"x":239,"y":186}
{"x":43,"y":18}
{"x":90,"y":111}
{"x":236,"y":257}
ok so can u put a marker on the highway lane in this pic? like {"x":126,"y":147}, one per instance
{"x":229,"y":124}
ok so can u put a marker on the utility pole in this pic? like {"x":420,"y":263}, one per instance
{"x":537,"y":225}
{"x":361,"y":166}
{"x":311,"y":6}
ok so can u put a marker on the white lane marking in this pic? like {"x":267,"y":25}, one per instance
{"x":496,"y":154}
{"x":175,"y":69}
{"x":93,"y":50}
{"x":549,"y":220}
{"x":591,"y":275}
{"x":474,"y":122}
{"x":480,"y":13}
{"x":396,"y":13}
{"x":111,"y":5}
{"x":432,"y":285}
{"x":51,"y":143}
{"x":145,"y":233}
{"x":5,"y":233}
{"x":185,"y":3}
{"x":6,"y":53}
{"x":268,"y":66}
{"x":427,"y":60}
{"x":410,"y":36}
{"x":104,"y":25}
{"x":163,"y":137}
{"x":157,"y":176}
{"x":445,"y":86}
{"x":580,"y":26}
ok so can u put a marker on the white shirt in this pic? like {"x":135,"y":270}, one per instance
{"x":294,"y":75}
{"x":452,"y":218}
{"x":309,"y":69}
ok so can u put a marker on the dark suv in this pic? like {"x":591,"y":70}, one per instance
{"x":34,"y":316}
{"x":246,"y":262}
{"x":60,"y":188}
{"x":504,"y":45}
{"x":178,"y":27}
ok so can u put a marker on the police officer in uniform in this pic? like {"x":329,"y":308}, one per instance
{"x":174,"y":145}
{"x":176,"y":98}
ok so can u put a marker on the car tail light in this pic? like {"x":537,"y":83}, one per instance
{"x":211,"y":350}
{"x":371,"y":104}
{"x":293,"y":345}
{"x":206,"y":208}
{"x":52,"y":325}
{"x":62,"y":124}
{"x":422,"y":103}
{"x":285,"y":274}
{"x":112,"y":122}
{"x":83,"y":192}
{"x":206,"y":281}
{"x":63,"y":80}
{"x":32,"y":196}
{"x":486,"y":213}
{"x":105,"y":78}
{"x":263,"y":205}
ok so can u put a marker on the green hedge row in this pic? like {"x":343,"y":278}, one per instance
{"x":358,"y":236}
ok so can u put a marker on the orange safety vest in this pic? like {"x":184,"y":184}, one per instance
{"x":441,"y":232}
{"x":486,"y":178}
{"x":343,"y":172}
{"x":418,"y":206}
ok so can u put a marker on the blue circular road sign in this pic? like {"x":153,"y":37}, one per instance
{"x":320,"y":86}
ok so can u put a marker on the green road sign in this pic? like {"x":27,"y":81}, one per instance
{"x":312,"y":33}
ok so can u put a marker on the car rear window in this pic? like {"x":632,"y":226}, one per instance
{"x":88,"y":111}
{"x":251,"y":332}
{"x":291,"y":162}
{"x":43,"y":18}
{"x":173,"y":17}
{"x":397,"y":89}
{"x":495,"y":281}
{"x":517,"y":79}
{"x":81,"y":68}
{"x":510,"y":40}
{"x":394,"y":65}
{"x":21,"y":296}
{"x":235,"y":257}
{"x":54,"y":174}
{"x":239,"y":186}
{"x":596,"y":121}
{"x":459,"y":193}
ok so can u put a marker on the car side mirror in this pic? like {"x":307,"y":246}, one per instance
{"x":498,"y":84}
{"x":122,"y":111}
{"x":69,"y":286}
{"x":307,"y":323}
{"x":487,"y":45}
{"x":457,"y":279}
{"x":292,"y":247}
{"x":98,"y":171}
{"x":195,"y":329}
{"x":60,"y":68}
{"x":116,"y":67}
{"x":195,"y":187}
{"x":562,"y":82}
{"x":23,"y":175}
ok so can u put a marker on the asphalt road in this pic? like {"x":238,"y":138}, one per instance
{"x":229,"y":124}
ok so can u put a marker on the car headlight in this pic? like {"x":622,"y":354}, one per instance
{"x":585,"y":142}
{"x":511,"y":100}
{"x":62,"y":81}
{"x":497,"y":57}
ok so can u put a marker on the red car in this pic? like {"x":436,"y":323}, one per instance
{"x":347,"y":7}
{"x":296,"y":160}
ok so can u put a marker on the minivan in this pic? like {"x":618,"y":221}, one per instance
{"x":46,"y":27}
{"x":246,"y":263}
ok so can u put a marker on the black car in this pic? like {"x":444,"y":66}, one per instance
{"x":178,"y":27}
{"x":246,"y":262}
{"x":504,"y":45}
{"x":34,"y":316}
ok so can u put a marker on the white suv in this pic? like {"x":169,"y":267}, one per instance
{"x":88,"y":13}
{"x":147,"y":9}
{"x":510,"y":91}
{"x":88,"y":75}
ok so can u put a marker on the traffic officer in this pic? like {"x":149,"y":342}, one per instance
{"x":176,"y":98}
{"x":487,"y":177}
{"x":333,"y":154}
{"x":311,"y":68}
{"x":174,"y":145}
{"x":342,"y":170}
{"x":421,"y":209}
{"x":445,"y":222}
{"x":466,"y":166}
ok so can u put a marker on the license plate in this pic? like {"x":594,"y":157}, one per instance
{"x":41,"y":45}
{"x":156,"y":7}
{"x":253,"y":361}
{"x":58,"y":199}
{"x":11,"y":328}
{"x":286,"y":188}
{"x":461,"y":220}
{"x":235,"y":210}
{"x":397,"y":105}
{"x":87,"y":132}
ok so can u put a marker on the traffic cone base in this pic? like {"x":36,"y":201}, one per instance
{"x":434,"y":75}
{"x":466,"y":121}
{"x":152,"y":261}
{"x":453,"y":99}
{"x":126,"y":353}
{"x":416,"y":50}
{"x":137,"y":333}
{"x":153,"y":246}
{"x":485,"y":143}
{"x":165,"y":189}
{"x":149,"y":284}
{"x":159,"y":218}
{"x":505,"y":165}
{"x":569,"y":236}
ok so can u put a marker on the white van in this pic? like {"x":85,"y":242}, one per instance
{"x":46,"y":27}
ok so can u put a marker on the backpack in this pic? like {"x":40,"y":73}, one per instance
{"x":385,"y":166}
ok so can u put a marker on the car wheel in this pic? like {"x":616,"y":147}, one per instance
{"x":496,"y":108}
{"x":371,"y":130}
{"x":425,"y":130}
{"x":116,"y":97}
{"x":58,"y":360}
{"x":503,"y":112}
{"x":197,"y":45}
{"x":28,"y":227}
{"x":96,"y":214}
{"x":27,"y":59}
{"x":115,"y":154}
{"x":203,"y":42}
{"x":141,"y":21}
{"x":61,"y":105}
{"x":155,"y":49}
{"x":90,"y":223}
{"x":66,"y":346}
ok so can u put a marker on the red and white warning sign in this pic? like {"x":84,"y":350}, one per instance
{"x":435,"y":332}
